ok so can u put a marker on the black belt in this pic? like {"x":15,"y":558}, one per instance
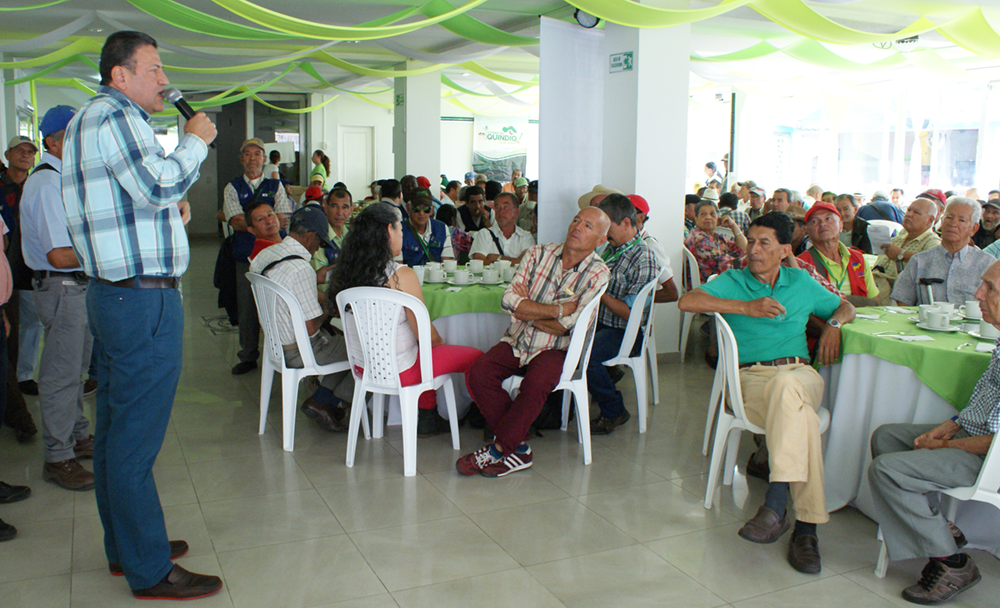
{"x":79,"y":276}
{"x":776,"y":362}
{"x":143,"y":282}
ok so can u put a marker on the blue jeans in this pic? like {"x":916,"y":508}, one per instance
{"x":607,"y":343}
{"x":138,"y":335}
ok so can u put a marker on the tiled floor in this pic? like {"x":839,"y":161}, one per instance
{"x":302,"y":530}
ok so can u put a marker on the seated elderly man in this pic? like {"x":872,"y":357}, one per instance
{"x":912,"y":461}
{"x":339,"y":207}
{"x":263,"y":223}
{"x":953,"y":269}
{"x":845,"y":268}
{"x":854,"y":230}
{"x":767,"y":305}
{"x":288,"y":264}
{"x":989,"y":225}
{"x":632,"y":265}
{"x":424,"y":238}
{"x":916,"y":236}
{"x":504,"y":240}
{"x":551,"y":287}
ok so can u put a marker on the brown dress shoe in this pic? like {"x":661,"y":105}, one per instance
{"x":179,"y":584}
{"x":177,"y":549}
{"x":69,"y":474}
{"x":89,"y":387}
{"x":84,"y":448}
{"x":803,"y":554}
{"x":325,"y":416}
{"x":764,"y":527}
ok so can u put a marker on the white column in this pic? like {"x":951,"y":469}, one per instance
{"x":645,"y":138}
{"x":416,"y":134}
{"x":3,"y":104}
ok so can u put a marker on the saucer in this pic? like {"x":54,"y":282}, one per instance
{"x":497,"y":282}
{"x":929,"y":328}
{"x":452,"y":282}
{"x":433,"y":282}
{"x":975,"y":334}
{"x":955,"y":316}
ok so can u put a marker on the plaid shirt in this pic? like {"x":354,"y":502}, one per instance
{"x":541,"y":270}
{"x":297,"y":276}
{"x":632,"y":266}
{"x":121,"y":191}
{"x":982,"y":416}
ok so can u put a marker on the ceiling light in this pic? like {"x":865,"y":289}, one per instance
{"x":907,"y":44}
{"x":585,"y":19}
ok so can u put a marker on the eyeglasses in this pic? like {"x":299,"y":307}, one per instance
{"x":422,"y":209}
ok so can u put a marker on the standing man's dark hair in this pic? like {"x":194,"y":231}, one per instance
{"x":119,"y":50}
{"x":471,"y":191}
{"x":618,"y":208}
{"x":391,"y":189}
{"x":274,"y":157}
{"x":728,"y":200}
{"x":493,"y":188}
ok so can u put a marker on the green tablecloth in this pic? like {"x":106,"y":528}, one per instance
{"x":472,"y":298}
{"x":950,"y":373}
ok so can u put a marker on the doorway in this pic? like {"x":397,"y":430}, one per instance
{"x":356,"y":153}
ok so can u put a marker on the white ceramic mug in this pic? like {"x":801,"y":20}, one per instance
{"x":420,"y":273}
{"x":490,"y":275}
{"x":461,"y":277}
{"x":475,"y":266}
{"x":436,"y":275}
{"x":450,"y":265}
{"x":508,"y":274}
{"x":502,"y":265}
{"x":972,"y":310}
{"x":946,"y":307}
{"x":938,"y":320}
{"x":924,"y":309}
{"x":433,"y":265}
{"x":986,"y":330}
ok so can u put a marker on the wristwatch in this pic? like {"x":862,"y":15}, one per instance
{"x":834,"y":323}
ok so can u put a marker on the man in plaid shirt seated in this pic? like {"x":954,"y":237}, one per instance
{"x":632,"y":265}
{"x":552,"y":286}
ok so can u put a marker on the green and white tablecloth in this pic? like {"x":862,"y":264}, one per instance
{"x":471,"y":298}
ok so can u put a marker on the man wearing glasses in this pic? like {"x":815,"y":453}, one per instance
{"x":424,"y":239}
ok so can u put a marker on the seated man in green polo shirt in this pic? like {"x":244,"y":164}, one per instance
{"x":767,"y":306}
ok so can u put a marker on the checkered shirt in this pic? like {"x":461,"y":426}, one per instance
{"x":121,"y":190}
{"x":982,"y":415}
{"x":297,"y":276}
{"x":630,"y":271}
{"x":541,"y":270}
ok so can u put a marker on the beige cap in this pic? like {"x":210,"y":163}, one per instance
{"x":253,"y":141}
{"x":17,"y":140}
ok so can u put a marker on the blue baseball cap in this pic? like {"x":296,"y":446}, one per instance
{"x":470,"y":175}
{"x":56,"y":119}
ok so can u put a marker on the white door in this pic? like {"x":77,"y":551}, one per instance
{"x":356,"y":151}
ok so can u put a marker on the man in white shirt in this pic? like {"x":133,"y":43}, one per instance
{"x":504,"y":240}
{"x":449,"y":195}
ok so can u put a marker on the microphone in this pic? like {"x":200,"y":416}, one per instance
{"x":174,"y":96}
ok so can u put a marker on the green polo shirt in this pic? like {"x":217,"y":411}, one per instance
{"x":761,"y":339}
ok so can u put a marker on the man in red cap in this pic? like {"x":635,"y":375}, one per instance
{"x":667,"y":291}
{"x":844,"y":267}
{"x":314,"y":194}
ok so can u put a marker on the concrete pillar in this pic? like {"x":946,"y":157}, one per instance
{"x":645,"y":138}
{"x":416,"y":134}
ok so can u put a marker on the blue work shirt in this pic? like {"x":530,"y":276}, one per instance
{"x":43,"y":217}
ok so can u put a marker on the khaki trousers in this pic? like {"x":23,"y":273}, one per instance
{"x":783,"y":401}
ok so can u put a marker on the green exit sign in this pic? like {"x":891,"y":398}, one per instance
{"x":622,"y":62}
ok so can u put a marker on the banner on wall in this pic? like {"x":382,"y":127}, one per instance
{"x":499,"y":146}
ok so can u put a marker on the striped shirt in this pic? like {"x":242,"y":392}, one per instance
{"x":631,"y":266}
{"x":982,"y":416}
{"x":541,"y":270}
{"x":121,"y":190}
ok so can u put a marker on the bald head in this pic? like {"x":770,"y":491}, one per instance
{"x":587,"y":230}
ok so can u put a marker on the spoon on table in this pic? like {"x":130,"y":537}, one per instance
{"x":961,"y":346}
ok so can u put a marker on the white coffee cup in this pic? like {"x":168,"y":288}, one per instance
{"x":986,"y":330}
{"x":450,"y":265}
{"x":475,"y":266}
{"x":420,"y":273}
{"x":462,"y":277}
{"x":924,"y":309}
{"x":490,"y":275}
{"x":946,"y":307}
{"x":972,"y":310}
{"x":433,"y":264}
{"x":435,"y":275}
{"x":508,"y":274}
{"x":938,"y":320}
{"x":502,"y":265}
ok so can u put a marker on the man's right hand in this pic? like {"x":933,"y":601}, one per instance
{"x":201,"y":126}
{"x":569,"y":308}
{"x":763,"y":307}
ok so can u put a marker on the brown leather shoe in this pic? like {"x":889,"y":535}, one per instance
{"x":803,"y":554}
{"x":179,"y":584}
{"x":940,"y":582}
{"x":69,"y":474}
{"x":89,"y":387}
{"x":325,"y":416}
{"x":764,"y":527}
{"x":84,"y":447}
{"x":177,"y":549}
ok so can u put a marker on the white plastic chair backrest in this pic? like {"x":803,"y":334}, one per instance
{"x":375,"y":312}
{"x":693,"y":274}
{"x":267,"y":292}
{"x":989,"y":476}
{"x":894,"y":227}
{"x":639,"y":318}
{"x":730,"y":351}
{"x":580,"y":342}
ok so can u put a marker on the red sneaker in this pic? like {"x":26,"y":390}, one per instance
{"x":510,"y":463}
{"x":473,"y":463}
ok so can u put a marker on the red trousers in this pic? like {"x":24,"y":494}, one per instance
{"x":510,"y":419}
{"x":447,"y":359}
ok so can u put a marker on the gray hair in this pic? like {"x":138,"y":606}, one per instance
{"x":703,"y":204}
{"x":618,"y":207}
{"x":788,"y":193}
{"x":814,"y":190}
{"x":796,"y":197}
{"x":971,"y":203}
{"x":880,"y":194}
{"x":512,"y":196}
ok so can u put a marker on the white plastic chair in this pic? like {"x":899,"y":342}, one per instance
{"x":573,"y":380}
{"x":986,"y":489}
{"x":894,"y":227}
{"x":718,"y":391}
{"x":731,"y":425}
{"x":692,"y":271}
{"x":641,"y":308}
{"x":372,"y":323}
{"x":266,"y":293}
{"x":654,"y":367}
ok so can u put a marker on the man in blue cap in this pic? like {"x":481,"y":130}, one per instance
{"x":61,"y":301}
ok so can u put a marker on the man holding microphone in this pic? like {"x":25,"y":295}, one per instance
{"x":126,"y":214}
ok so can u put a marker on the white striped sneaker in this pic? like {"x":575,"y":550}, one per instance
{"x":511,"y":463}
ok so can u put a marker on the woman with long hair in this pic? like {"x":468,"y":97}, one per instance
{"x":366,"y":260}
{"x":321,"y":167}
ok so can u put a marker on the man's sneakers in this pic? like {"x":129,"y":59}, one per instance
{"x":940,"y":582}
{"x":489,"y":461}
{"x":604,"y":426}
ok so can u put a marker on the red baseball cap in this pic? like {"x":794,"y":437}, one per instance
{"x":934,"y":195}
{"x":639,"y":203}
{"x":820,"y":207}
{"x":423,"y":182}
{"x":314,"y":193}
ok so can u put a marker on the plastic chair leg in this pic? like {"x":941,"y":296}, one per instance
{"x":654,"y":371}
{"x":266,"y":380}
{"x":714,"y":403}
{"x":718,"y":451}
{"x":733,"y":439}
{"x":685,"y":330}
{"x":289,"y":401}
{"x":883,"y":559}
{"x":358,"y":409}
{"x":583,"y":421}
{"x":364,"y":420}
{"x":378,"y":415}
{"x":408,"y":413}
{"x":567,"y":403}
{"x":638,"y":366}
{"x":449,"y":400}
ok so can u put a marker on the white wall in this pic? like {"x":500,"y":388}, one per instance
{"x":349,"y":111}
